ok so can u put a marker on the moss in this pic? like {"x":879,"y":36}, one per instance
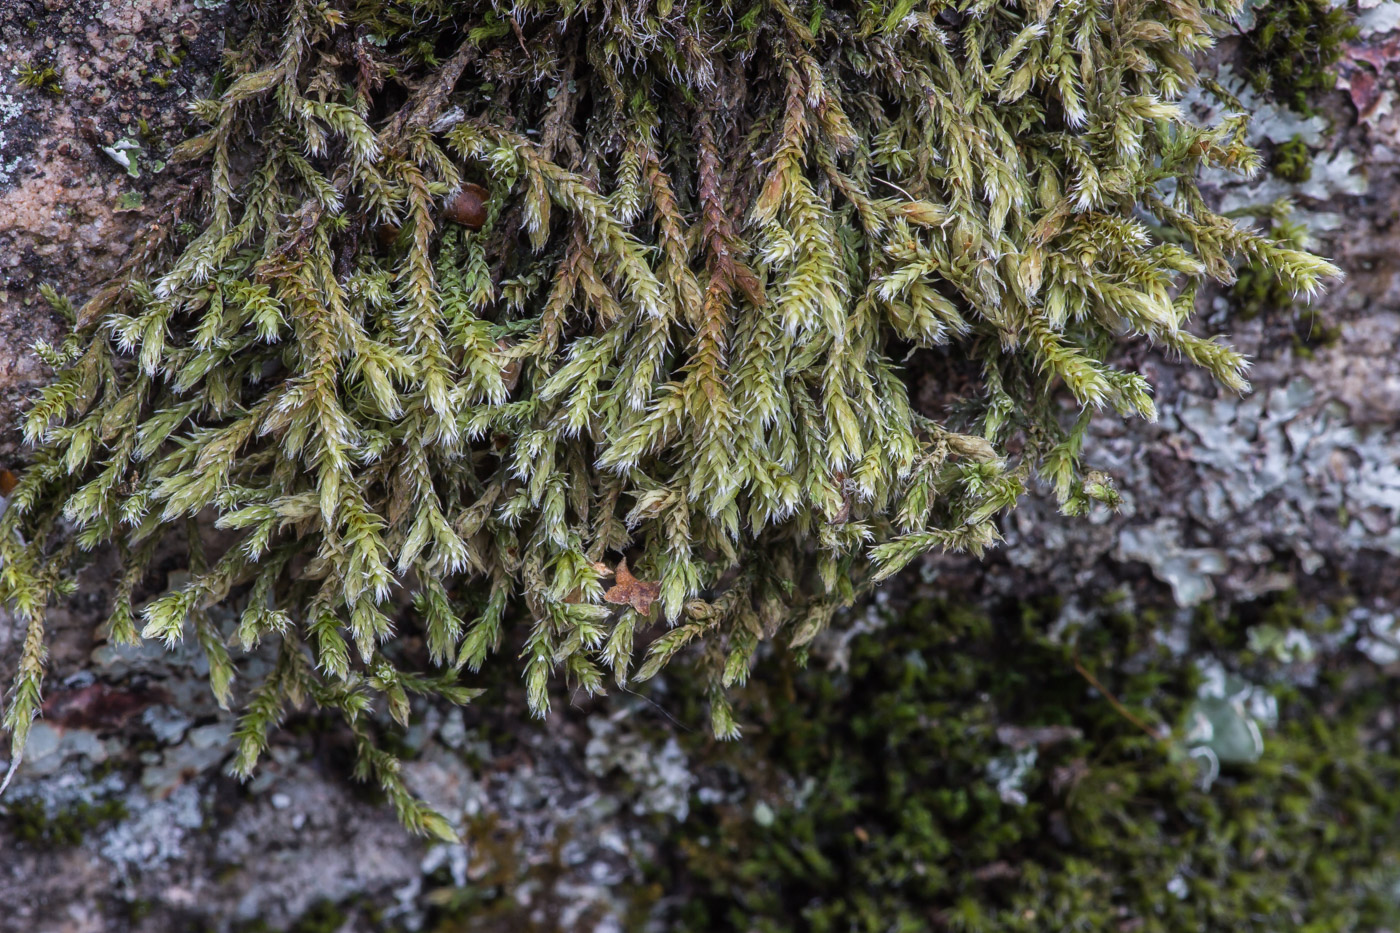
{"x":40,"y":78}
{"x":1311,"y":330}
{"x":502,"y":868}
{"x":32,"y":821}
{"x":1257,"y":292}
{"x":1291,"y":51}
{"x":1292,"y":161}
{"x":649,"y":392}
{"x":137,"y":910}
{"x":321,"y":917}
{"x":871,"y":807}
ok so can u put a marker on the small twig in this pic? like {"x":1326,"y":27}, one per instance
{"x":426,"y":102}
{"x":1117,"y":705}
{"x":421,"y":110}
{"x":557,"y":125}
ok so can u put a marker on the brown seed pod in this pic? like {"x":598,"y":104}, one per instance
{"x":468,"y":206}
{"x":8,"y":482}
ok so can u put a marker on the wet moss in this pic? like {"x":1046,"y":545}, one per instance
{"x":869,"y":799}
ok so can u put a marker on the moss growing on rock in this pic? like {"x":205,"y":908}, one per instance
{"x":1292,"y":161}
{"x":1294,"y":44}
{"x":964,"y":775}
{"x":31,"y":820}
{"x":655,"y":374}
{"x":40,"y":78}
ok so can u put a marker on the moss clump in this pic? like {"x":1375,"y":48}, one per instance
{"x":324,"y":916}
{"x":40,"y":78}
{"x":1290,"y":52}
{"x":658,"y":364}
{"x":1292,"y":161}
{"x":1312,"y":331}
{"x":32,"y":821}
{"x":505,"y":868}
{"x":883,"y":811}
{"x":1257,"y":291}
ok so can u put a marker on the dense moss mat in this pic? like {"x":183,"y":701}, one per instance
{"x":586,"y":333}
{"x":900,"y":827}
{"x":1290,"y":51}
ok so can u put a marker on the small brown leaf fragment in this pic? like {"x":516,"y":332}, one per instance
{"x":8,"y":482}
{"x":468,"y":206}
{"x":844,"y":514}
{"x":629,"y":591}
{"x":996,"y":871}
{"x":972,"y":447}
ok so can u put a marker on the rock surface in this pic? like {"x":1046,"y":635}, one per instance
{"x":1293,"y":487}
{"x":81,"y":158}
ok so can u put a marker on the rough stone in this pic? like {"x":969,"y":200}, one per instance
{"x":1295,"y":486}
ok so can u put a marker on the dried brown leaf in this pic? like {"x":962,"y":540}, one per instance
{"x":629,"y":591}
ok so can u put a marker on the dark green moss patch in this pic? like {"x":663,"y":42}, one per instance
{"x":873,"y":801}
{"x":1292,"y":161}
{"x":30,"y":820}
{"x":1290,"y":52}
